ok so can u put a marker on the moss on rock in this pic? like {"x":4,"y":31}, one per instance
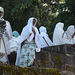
{"x":16,"y":70}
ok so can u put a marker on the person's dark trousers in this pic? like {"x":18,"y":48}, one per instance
{"x":12,"y":58}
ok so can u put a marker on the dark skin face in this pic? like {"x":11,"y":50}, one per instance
{"x":34,"y":21}
{"x":1,"y":13}
{"x":32,"y":27}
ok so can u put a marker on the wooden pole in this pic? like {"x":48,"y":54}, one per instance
{"x":45,"y":41}
{"x":5,"y":51}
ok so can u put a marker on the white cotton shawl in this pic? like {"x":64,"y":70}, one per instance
{"x":25,"y":35}
{"x":58,"y":32}
{"x":67,"y":37}
{"x":13,"y":44}
{"x":6,"y":36}
{"x":2,"y":10}
{"x":43,"y":33}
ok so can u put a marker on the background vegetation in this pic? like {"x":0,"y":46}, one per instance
{"x":47,"y":12}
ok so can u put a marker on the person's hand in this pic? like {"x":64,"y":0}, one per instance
{"x":33,"y":30}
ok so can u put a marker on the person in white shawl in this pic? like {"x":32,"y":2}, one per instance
{"x":69,"y":35}
{"x":13,"y":47}
{"x":44,"y":39}
{"x":58,"y":32}
{"x":27,"y":44}
{"x":6,"y":37}
{"x":14,"y":42}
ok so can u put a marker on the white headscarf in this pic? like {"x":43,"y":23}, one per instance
{"x":67,"y":37}
{"x":2,"y":10}
{"x":44,"y":43}
{"x":70,"y":30}
{"x":42,"y":29}
{"x":25,"y":35}
{"x":58,"y":32}
{"x":27,"y":30}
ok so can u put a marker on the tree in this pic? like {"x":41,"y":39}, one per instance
{"x":18,"y":12}
{"x":66,"y":13}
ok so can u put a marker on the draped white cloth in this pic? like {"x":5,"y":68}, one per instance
{"x":58,"y":32}
{"x":13,"y":44}
{"x":43,"y":33}
{"x":6,"y":37}
{"x":67,"y":36}
{"x":27,"y":34}
{"x":2,"y":10}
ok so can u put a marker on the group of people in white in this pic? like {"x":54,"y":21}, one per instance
{"x":30,"y":40}
{"x":63,"y":37}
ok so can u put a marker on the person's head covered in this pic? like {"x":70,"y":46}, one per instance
{"x":59,"y":25}
{"x":15,"y":34}
{"x":42,"y":29}
{"x":1,"y":12}
{"x":70,"y":30}
{"x":32,"y":21}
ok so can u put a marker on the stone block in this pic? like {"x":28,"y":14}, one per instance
{"x":73,"y":59}
{"x":56,"y":57}
{"x":68,"y":60}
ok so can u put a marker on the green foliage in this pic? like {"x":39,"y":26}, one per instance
{"x":18,"y":12}
{"x":15,"y":12}
{"x":66,"y":13}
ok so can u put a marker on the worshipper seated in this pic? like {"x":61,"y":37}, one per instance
{"x":57,"y":35}
{"x":13,"y":47}
{"x":44,"y":39}
{"x":69,"y":35}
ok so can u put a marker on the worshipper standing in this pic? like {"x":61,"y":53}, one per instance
{"x":5,"y":38}
{"x":29,"y":41}
{"x":58,"y":32}
{"x":68,"y":36}
{"x":13,"y":47}
{"x":44,"y":39}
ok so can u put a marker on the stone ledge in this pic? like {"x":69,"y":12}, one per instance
{"x":62,"y":49}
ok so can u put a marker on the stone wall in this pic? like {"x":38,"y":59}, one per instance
{"x":61,"y":57}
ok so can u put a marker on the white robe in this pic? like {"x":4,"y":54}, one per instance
{"x":13,"y":44}
{"x":6,"y":37}
{"x":25,"y":35}
{"x":58,"y":32}
{"x":43,"y":33}
{"x":67,"y":36}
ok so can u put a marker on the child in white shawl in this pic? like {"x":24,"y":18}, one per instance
{"x":29,"y":40}
{"x":6,"y":37}
{"x":44,"y":39}
{"x":58,"y":32}
{"x":69,"y":35}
